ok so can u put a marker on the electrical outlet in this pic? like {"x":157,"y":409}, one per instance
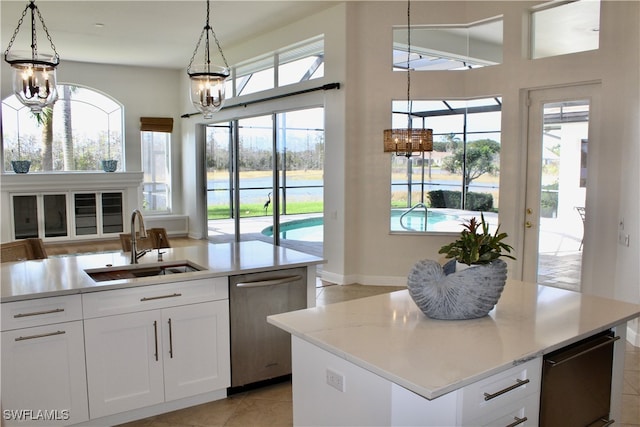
{"x":335,"y":380}
{"x":623,"y":239}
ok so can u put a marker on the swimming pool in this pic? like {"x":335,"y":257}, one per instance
{"x":312,"y":229}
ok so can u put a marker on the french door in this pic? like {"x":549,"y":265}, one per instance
{"x":558,"y":147}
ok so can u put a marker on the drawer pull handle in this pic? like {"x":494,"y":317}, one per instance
{"x":49,"y":334}
{"x":161,"y":297}
{"x":170,"y":340}
{"x":38,"y":313}
{"x":610,"y":340}
{"x":155,"y":336}
{"x":517,"y":422}
{"x":271,"y":282}
{"x":519,"y":382}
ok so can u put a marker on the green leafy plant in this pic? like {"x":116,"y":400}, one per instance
{"x":476,"y":245}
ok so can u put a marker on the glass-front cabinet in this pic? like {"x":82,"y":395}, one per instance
{"x":93,"y":214}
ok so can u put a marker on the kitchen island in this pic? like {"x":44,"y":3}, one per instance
{"x":94,"y":340}
{"x":381,"y":361}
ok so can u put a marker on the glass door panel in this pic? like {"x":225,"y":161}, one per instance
{"x":86,"y":214}
{"x":218,"y":158}
{"x":25,"y":215}
{"x":112,"y":221}
{"x":301,"y":178}
{"x":559,"y":123}
{"x":255,"y":176}
{"x":55,"y":215}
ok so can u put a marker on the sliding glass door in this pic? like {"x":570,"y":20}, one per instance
{"x":265,"y":179}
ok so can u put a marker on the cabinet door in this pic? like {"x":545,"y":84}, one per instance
{"x":124,"y":362}
{"x":196,"y":348}
{"x":25,"y":216}
{"x":43,"y":375}
{"x":112,"y":218}
{"x":86,"y":218}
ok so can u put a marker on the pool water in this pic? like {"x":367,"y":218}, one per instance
{"x":312,"y":229}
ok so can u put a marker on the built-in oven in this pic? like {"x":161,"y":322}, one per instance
{"x":576,"y":384}
{"x":260,"y":351}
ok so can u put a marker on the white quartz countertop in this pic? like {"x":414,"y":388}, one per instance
{"x":391,"y":337}
{"x":57,"y":276}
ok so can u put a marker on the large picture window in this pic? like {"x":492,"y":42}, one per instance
{"x":82,"y":128}
{"x":437,"y":190}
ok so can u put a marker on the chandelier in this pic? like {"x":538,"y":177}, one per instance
{"x":34,"y":77}
{"x":408,"y":141}
{"x":207,"y":80}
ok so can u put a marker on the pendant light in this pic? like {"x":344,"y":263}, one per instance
{"x":207,"y":80}
{"x":34,"y":77}
{"x":407,"y":141}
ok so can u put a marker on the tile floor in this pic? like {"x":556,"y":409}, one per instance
{"x":272,"y":405}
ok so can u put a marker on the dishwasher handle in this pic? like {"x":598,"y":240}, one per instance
{"x":270,"y":282}
{"x":610,"y":340}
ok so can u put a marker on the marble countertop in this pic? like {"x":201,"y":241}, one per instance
{"x":391,"y":337}
{"x":57,"y":276}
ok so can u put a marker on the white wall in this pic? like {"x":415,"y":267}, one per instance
{"x":144,"y":92}
{"x":383,"y":258}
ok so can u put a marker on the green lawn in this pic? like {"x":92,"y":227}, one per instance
{"x":256,"y":209}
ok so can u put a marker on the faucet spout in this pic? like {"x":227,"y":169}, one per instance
{"x":135,"y":254}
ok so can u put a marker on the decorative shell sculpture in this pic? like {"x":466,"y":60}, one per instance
{"x":466,"y":294}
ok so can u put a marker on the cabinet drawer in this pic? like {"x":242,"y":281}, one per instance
{"x":500,"y":390}
{"x":107,"y":303}
{"x":41,"y":311}
{"x":522,"y":413}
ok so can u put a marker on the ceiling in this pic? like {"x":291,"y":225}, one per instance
{"x":146,"y":33}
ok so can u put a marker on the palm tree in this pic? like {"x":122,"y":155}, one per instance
{"x":67,"y":148}
{"x":45,"y":119}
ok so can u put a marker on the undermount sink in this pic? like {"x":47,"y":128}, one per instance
{"x":135,"y":271}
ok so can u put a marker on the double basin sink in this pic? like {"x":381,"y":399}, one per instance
{"x":135,"y":271}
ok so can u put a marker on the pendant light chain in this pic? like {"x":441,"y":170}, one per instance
{"x":408,"y":66}
{"x":205,"y":30}
{"x":34,"y":45}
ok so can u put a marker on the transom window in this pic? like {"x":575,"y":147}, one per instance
{"x":449,"y":47}
{"x":294,"y":64}
{"x":82,"y":128}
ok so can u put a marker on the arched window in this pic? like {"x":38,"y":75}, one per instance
{"x":83,"y":128}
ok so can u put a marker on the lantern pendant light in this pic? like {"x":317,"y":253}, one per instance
{"x":207,"y":80}
{"x":406,"y":141}
{"x":34,"y":77}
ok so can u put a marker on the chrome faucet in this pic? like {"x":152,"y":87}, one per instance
{"x":135,"y":254}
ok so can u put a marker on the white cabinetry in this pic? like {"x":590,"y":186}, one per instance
{"x":43,"y":363}
{"x":509,"y":397}
{"x":512,"y":395}
{"x":152,"y":344}
{"x":67,"y":214}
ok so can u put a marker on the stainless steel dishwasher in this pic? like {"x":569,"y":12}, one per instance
{"x":576,"y":384}
{"x":260,"y":351}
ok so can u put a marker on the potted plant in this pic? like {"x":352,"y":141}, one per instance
{"x":109,"y":165}
{"x":450,"y":292}
{"x":20,"y":165}
{"x":476,"y":245}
